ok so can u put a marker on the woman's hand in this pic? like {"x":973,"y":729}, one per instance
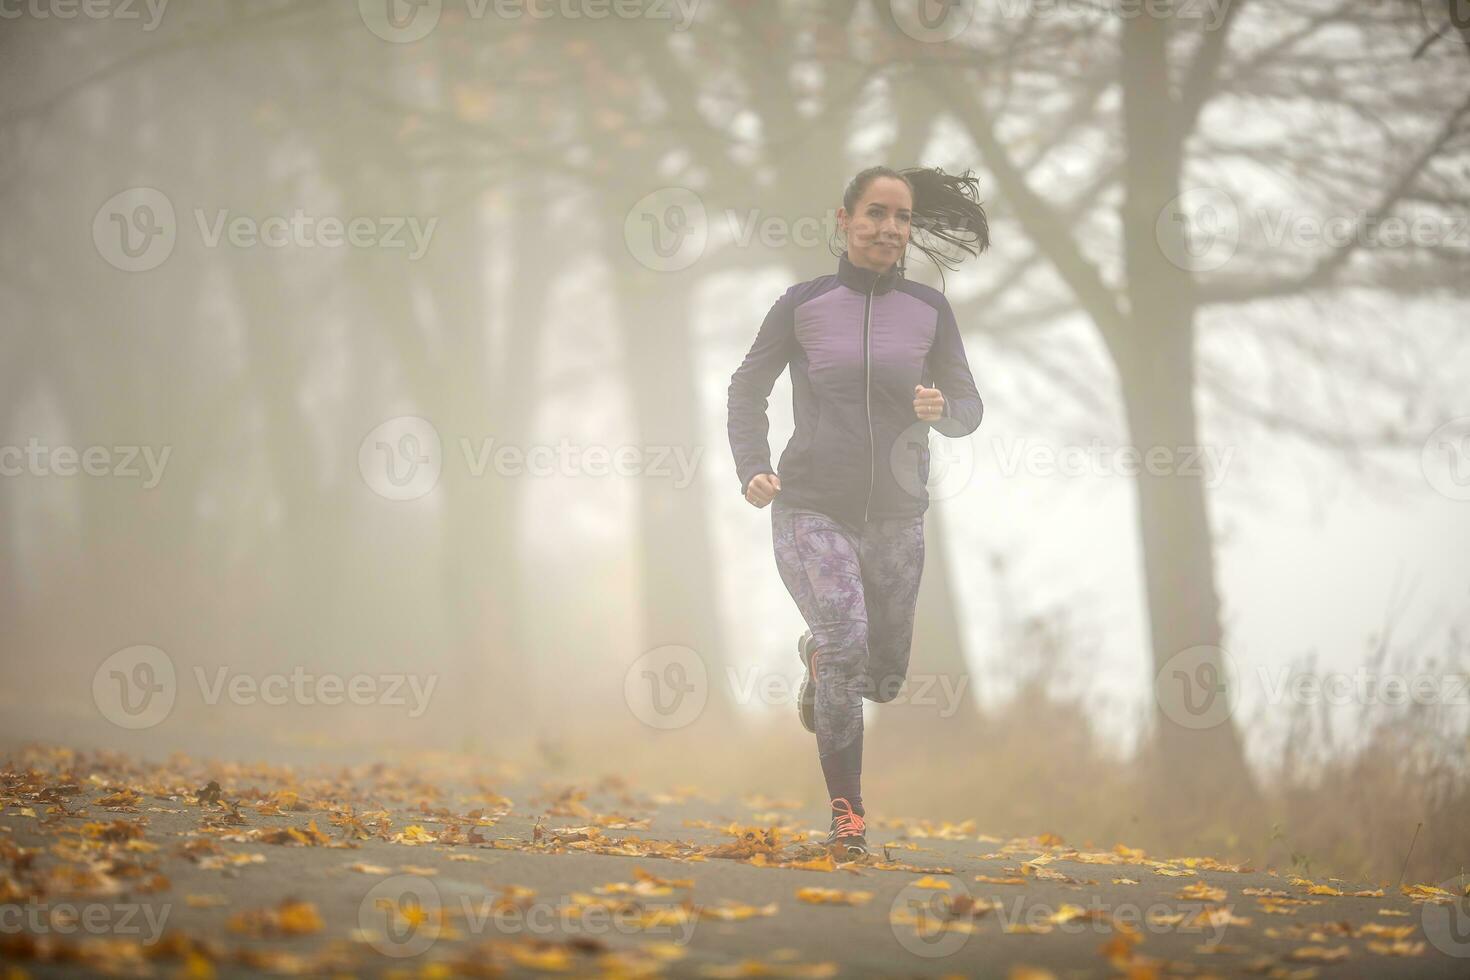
{"x":762,"y":489}
{"x":928,"y":403}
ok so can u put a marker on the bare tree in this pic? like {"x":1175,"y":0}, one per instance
{"x":1148,"y":107}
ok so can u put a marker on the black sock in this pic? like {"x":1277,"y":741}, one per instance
{"x":843,"y":770}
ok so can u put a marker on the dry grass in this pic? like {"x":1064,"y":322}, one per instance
{"x":1035,"y":764}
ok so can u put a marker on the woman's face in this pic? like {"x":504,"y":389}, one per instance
{"x":878,"y":227}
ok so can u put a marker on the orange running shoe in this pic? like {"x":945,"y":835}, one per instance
{"x":848,"y":827}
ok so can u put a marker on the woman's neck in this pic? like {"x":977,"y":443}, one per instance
{"x":866,"y":264}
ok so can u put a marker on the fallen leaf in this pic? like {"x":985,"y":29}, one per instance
{"x":833,"y":896}
{"x":1319,"y":954}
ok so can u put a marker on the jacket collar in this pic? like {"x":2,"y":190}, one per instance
{"x":863,"y":279}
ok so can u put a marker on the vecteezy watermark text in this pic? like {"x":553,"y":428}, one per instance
{"x":669,"y":686}
{"x":1208,"y":463}
{"x":136,"y":687}
{"x":934,"y":923}
{"x":945,"y":692}
{"x":567,"y":459}
{"x":1363,"y":687}
{"x":1201,"y":229}
{"x":302,"y":230}
{"x":301,"y":687}
{"x":136,"y":230}
{"x":88,"y":918}
{"x":38,"y":459}
{"x":407,"y":21}
{"x":1200,"y":687}
{"x":403,"y":458}
{"x":90,"y":9}
{"x":404,"y":915}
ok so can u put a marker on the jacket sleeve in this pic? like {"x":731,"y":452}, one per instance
{"x":751,"y":385}
{"x":951,"y":373}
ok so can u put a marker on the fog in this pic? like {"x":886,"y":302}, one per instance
{"x":363,"y":395}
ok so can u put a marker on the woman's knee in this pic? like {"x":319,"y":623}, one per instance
{"x":882,"y":688}
{"x":888,"y":666}
{"x":847,"y":640}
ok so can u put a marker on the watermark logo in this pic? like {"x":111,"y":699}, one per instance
{"x":671,"y":228}
{"x":411,"y":691}
{"x":932,"y":21}
{"x":931,"y":922}
{"x":1445,"y":458}
{"x":1194,"y":687}
{"x":667,"y":230}
{"x":402,"y":458}
{"x":135,"y":687}
{"x":301,"y":230}
{"x":404,"y":915}
{"x":942,"y":465}
{"x":400,"y":21}
{"x":1446,"y":921}
{"x":135,"y":230}
{"x":1448,"y":18}
{"x":1199,"y":230}
{"x":667,"y":687}
{"x":935,"y":917}
{"x":400,"y":916}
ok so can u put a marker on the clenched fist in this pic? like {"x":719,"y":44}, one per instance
{"x":762,"y":489}
{"x":928,"y":403}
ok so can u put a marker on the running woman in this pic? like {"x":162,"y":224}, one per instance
{"x":876,"y":362}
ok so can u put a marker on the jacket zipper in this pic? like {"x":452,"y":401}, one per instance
{"x":868,"y":395}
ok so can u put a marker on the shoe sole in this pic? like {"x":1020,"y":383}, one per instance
{"x":806,"y":697}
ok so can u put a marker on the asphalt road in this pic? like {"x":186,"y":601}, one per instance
{"x":437,"y":870}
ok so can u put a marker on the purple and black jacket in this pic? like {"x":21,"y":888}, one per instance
{"x":857,"y":343}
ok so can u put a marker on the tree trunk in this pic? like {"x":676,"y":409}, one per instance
{"x":675,"y":556}
{"x":482,"y":568}
{"x":1199,"y":770}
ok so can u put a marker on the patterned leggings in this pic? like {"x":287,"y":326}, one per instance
{"x":857,"y":590}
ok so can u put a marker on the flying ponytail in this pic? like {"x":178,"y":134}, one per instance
{"x":947,"y":210}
